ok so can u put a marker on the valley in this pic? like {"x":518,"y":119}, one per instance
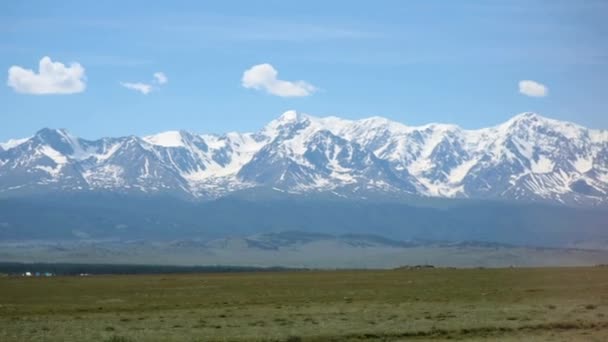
{"x":509,"y":304}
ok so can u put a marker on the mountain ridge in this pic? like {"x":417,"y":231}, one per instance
{"x":527,"y":158}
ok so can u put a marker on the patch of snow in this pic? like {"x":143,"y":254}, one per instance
{"x":57,"y":157}
{"x":420,"y":165}
{"x":52,"y":171}
{"x":583,"y":165}
{"x":213,"y":141}
{"x":12,"y":143}
{"x":105,"y":176}
{"x":146,"y":170}
{"x":166,"y":139}
{"x":109,"y":151}
{"x":242,"y":148}
{"x":598,"y":136}
{"x":440,"y":190}
{"x":526,"y":148}
{"x":603,"y":177}
{"x":542,"y":165}
{"x":343,"y":177}
{"x":547,"y":185}
{"x":458,"y":173}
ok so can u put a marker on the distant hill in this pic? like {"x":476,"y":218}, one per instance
{"x":103,"y":217}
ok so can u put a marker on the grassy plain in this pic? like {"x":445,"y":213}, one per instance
{"x":421,"y":304}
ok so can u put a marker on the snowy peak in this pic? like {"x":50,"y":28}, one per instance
{"x":284,"y":124}
{"x":57,"y":139}
{"x":289,"y":117}
{"x":527,"y":116}
{"x":529,"y":157}
{"x":532,"y":122}
{"x":168,"y":139}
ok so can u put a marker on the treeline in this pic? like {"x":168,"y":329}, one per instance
{"x":15,"y":268}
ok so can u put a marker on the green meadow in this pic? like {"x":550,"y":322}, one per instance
{"x":508,"y":304}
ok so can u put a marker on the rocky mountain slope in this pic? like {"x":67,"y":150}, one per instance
{"x":527,"y":158}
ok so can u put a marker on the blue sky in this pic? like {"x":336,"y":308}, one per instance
{"x":412,"y":61}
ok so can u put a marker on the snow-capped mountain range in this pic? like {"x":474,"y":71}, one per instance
{"x":528,"y":158}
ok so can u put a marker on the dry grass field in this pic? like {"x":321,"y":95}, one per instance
{"x":421,"y":304}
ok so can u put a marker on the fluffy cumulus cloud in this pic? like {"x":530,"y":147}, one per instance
{"x":159,"y":78}
{"x":140,"y":87}
{"x":533,"y":88}
{"x":51,"y":78}
{"x":265,"y":77}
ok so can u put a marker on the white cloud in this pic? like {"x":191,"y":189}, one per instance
{"x":160,"y":78}
{"x":532,"y":88}
{"x":264,"y":77}
{"x":145,"y":88}
{"x":140,"y":87}
{"x":52,"y":78}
